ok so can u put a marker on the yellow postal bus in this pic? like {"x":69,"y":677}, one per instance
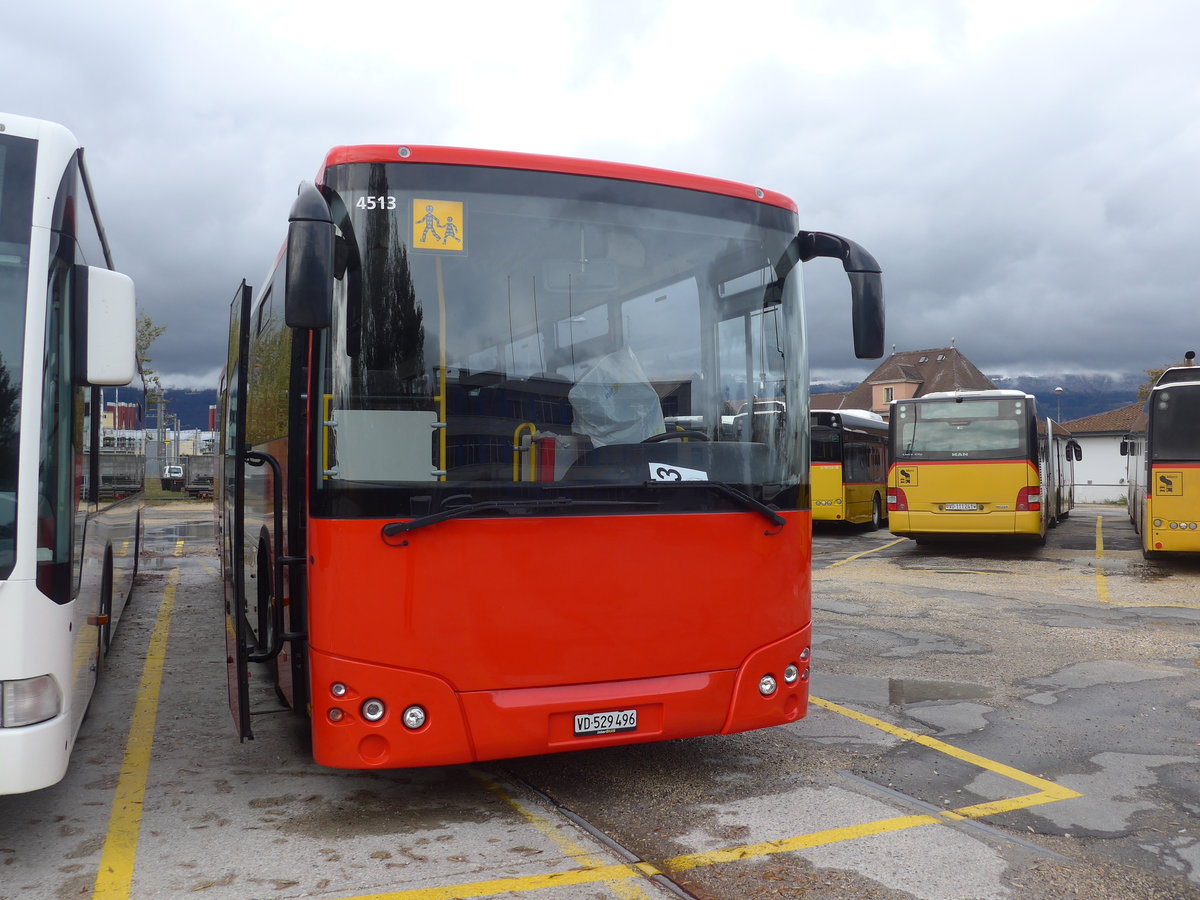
{"x":1163,"y":462}
{"x":849,"y":466}
{"x":977,"y":463}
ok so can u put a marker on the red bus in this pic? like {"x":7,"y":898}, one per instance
{"x":479,"y":497}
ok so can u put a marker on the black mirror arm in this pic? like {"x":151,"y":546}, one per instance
{"x":809,"y":245}
{"x":866,"y":283}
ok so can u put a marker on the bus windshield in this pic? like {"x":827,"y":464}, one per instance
{"x":1175,"y":423}
{"x":993,"y":428}
{"x":17,"y":161}
{"x":499,"y":331}
{"x":826,"y":444}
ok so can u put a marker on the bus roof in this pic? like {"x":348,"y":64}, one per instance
{"x":37,"y":129}
{"x":854,"y":418}
{"x":500,"y":159}
{"x":1178,"y":375}
{"x":968,"y":395}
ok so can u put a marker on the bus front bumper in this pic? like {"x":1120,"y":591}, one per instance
{"x":458,"y":727}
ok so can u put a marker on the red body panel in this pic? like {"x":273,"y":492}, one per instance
{"x":458,"y":156}
{"x":484,"y":623}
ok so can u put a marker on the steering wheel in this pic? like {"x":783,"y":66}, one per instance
{"x":689,"y":433}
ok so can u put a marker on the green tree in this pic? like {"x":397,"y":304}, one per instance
{"x":1151,"y":377}
{"x":147,"y":334}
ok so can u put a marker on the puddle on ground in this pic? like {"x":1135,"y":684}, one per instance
{"x":914,"y":690}
{"x":189,"y":531}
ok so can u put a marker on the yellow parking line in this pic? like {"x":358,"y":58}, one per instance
{"x":1048,"y":791}
{"x":842,"y":562}
{"x":519,"y":885}
{"x":800,"y":842}
{"x":1101,"y":582}
{"x":115,"y":877}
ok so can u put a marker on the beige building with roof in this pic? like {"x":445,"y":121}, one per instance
{"x":908,"y":374}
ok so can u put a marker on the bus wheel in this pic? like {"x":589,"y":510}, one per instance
{"x":106,"y":604}
{"x":876,"y":514}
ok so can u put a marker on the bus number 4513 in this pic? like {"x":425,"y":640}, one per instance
{"x":376,"y":203}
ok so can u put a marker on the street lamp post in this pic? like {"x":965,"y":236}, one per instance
{"x":1058,"y":392}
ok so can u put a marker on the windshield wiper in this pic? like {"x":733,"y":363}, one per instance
{"x":512,"y":507}
{"x":741,"y":497}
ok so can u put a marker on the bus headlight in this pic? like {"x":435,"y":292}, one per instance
{"x":414,"y":717}
{"x":373,"y":710}
{"x":767,"y":685}
{"x":791,"y":673}
{"x":29,"y":701}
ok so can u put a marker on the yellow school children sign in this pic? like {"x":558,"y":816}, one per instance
{"x":439,"y":225}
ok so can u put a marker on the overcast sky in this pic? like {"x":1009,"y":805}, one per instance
{"x":1027,"y":173}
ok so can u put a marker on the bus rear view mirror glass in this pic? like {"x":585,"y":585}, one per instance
{"x":308,"y":285}
{"x":110,"y":352}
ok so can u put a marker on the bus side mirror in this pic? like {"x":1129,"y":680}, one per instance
{"x":1076,"y":450}
{"x":1124,"y":448}
{"x":106,"y":307}
{"x":866,"y":284}
{"x":866,"y":313}
{"x":308,"y":261}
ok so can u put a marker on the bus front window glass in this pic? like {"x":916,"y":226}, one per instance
{"x":826,"y":444}
{"x":497,"y":329}
{"x":1177,"y":424}
{"x":17,"y":161}
{"x":979,"y":429}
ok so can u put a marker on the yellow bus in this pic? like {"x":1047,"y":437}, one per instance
{"x":977,"y":463}
{"x":1163,"y":461}
{"x":849,"y":466}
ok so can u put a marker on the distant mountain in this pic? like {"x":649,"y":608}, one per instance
{"x":1082,"y":395}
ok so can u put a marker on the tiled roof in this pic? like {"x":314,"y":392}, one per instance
{"x":940,"y":369}
{"x":826,"y":401}
{"x":1115,"y":420}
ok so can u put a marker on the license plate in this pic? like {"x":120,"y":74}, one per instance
{"x":606,"y":722}
{"x":961,"y":507}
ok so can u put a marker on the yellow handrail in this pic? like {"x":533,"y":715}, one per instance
{"x":517,"y":451}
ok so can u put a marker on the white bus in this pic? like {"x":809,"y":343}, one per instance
{"x":67,"y":561}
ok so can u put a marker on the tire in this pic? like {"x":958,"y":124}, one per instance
{"x":104,"y":632}
{"x":876,"y":515}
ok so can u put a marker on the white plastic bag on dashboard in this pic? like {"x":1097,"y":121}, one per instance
{"x":615,"y":403}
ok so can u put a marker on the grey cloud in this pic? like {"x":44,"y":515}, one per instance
{"x":1034,"y":198}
